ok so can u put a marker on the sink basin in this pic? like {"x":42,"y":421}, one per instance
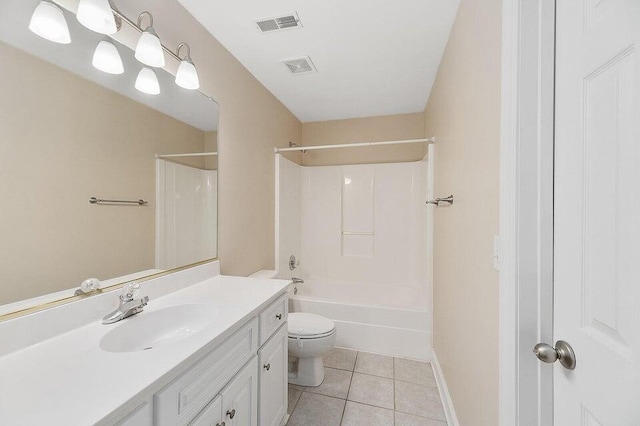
{"x":164,"y":327}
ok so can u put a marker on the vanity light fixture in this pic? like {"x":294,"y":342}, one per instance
{"x":147,"y":82}
{"x":106,"y":58}
{"x":97,"y":16}
{"x":48,"y":22}
{"x":149,"y":49}
{"x":187,"y":76}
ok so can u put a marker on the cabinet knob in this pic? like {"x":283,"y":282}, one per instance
{"x":279,"y":316}
{"x":231,"y":413}
{"x":267,"y":367}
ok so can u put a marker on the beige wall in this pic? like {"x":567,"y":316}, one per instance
{"x":61,"y":143}
{"x":252,"y":121}
{"x":370,"y":129}
{"x":463,"y":112}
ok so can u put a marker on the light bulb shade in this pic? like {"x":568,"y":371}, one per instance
{"x":106,"y":58}
{"x":187,"y":76}
{"x":147,"y":82}
{"x":97,"y":16}
{"x":149,"y":50}
{"x":48,"y":22}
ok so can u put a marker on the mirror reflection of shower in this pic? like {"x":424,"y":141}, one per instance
{"x":186,"y":220}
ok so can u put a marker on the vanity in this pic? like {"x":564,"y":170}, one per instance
{"x":202,"y":352}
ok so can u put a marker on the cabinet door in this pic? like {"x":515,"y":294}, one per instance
{"x":273,"y":379}
{"x":211,"y":415}
{"x":240,"y":397}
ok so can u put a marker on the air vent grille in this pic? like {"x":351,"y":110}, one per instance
{"x":302,"y":65}
{"x":279,"y":23}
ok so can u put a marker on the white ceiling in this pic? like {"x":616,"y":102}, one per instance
{"x":374,"y":57}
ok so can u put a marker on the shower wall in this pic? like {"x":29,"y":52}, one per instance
{"x":186,"y":223}
{"x":357,"y":224}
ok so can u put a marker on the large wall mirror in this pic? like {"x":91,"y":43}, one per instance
{"x":70,"y":133}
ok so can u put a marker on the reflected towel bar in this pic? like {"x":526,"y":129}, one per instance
{"x":437,"y":201}
{"x":94,"y":200}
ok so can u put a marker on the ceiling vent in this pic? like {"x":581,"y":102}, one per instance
{"x":279,"y":23}
{"x":302,"y":65}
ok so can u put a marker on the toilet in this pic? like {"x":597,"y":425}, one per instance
{"x":310,"y":337}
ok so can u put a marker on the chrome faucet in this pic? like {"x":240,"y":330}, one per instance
{"x":297,"y":280}
{"x":129,"y":305}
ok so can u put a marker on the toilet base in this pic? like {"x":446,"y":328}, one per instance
{"x":309,"y":372}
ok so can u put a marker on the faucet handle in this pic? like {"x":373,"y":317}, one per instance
{"x":130,"y":291}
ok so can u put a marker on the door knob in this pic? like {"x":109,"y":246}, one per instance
{"x":563,"y":352}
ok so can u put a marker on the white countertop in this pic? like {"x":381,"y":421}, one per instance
{"x":70,"y":380}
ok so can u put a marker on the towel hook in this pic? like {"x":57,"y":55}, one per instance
{"x":437,"y":201}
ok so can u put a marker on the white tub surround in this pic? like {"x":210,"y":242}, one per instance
{"x":361,"y":237}
{"x":69,"y":380}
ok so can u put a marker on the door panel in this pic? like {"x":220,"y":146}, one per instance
{"x":597,"y":211}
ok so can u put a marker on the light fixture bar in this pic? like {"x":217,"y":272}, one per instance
{"x":140,"y":30}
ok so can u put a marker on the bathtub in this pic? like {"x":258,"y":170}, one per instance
{"x":389,"y":321}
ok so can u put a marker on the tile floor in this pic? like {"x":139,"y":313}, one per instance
{"x":362,"y":389}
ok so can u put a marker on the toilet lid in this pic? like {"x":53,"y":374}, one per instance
{"x":307,"y":325}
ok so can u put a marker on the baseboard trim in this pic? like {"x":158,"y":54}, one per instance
{"x":447,"y":403}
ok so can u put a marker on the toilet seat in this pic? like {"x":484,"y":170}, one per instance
{"x":309,"y":326}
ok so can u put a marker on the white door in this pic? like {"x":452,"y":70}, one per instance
{"x":597,"y":212}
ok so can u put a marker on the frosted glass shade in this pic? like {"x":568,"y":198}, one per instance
{"x":97,"y":16}
{"x":149,"y":50}
{"x":187,"y":76}
{"x":147,"y":82}
{"x":48,"y":22}
{"x":106,"y":58}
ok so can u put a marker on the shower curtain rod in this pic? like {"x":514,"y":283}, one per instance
{"x":195,"y":154}
{"x":354,"y":145}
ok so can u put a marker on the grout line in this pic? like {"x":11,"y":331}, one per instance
{"x":349,"y":389}
{"x":422,"y":417}
{"x":393,"y":373}
{"x":394,"y":390}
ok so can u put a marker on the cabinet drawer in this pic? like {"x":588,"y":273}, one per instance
{"x":272,"y":317}
{"x":180,"y":401}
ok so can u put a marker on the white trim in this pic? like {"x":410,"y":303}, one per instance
{"x":447,"y":403}
{"x":526,"y":210}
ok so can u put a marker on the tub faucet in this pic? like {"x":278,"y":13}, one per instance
{"x":297,"y":280}
{"x":128,"y":304}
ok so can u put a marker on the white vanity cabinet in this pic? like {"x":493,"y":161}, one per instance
{"x":141,"y":416}
{"x":241,"y":382}
{"x":236,"y":405}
